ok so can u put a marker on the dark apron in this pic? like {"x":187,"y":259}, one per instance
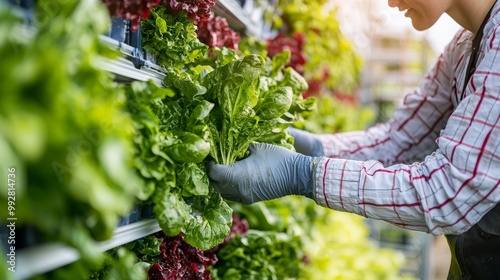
{"x":475,"y":254}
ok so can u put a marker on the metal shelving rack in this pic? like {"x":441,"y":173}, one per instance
{"x":124,"y":68}
{"x":238,"y":17}
{"x":46,"y":257}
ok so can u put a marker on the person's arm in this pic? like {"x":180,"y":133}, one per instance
{"x":452,"y":188}
{"x":408,"y":137}
{"x":411,"y":133}
{"x":445,"y":194}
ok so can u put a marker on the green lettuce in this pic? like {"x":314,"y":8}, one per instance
{"x":260,"y":255}
{"x":171,"y":39}
{"x":207,"y":112}
{"x":170,"y":147}
{"x":243,"y":113}
{"x":63,"y":125}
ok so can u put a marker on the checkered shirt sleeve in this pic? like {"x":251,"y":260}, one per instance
{"x":435,"y":166}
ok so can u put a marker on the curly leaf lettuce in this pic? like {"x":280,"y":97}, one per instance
{"x":207,"y":112}
{"x":260,"y":255}
{"x":171,"y":143}
{"x":171,"y":39}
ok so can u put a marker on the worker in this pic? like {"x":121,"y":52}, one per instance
{"x":433,"y":167}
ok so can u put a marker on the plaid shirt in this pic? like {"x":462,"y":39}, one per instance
{"x":435,"y":166}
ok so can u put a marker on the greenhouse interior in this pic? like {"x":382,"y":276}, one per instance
{"x":110,"y":111}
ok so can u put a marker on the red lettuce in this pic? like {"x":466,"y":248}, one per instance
{"x":196,"y":9}
{"x":295,"y":44}
{"x":132,"y":10}
{"x":179,"y":260}
{"x":215,"y":32}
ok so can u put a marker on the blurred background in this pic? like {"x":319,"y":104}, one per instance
{"x":395,"y":55}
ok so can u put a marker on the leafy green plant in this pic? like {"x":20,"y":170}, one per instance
{"x":208,"y":112}
{"x":171,"y":39}
{"x":147,"y":249}
{"x":260,"y":255}
{"x":171,"y":124}
{"x":255,"y":100}
{"x":63,"y":126}
{"x":326,"y":48}
{"x":234,"y":124}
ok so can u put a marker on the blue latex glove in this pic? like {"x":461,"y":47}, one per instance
{"x":269,"y":172}
{"x":306,"y":143}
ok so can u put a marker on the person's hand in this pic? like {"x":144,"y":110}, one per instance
{"x":305,"y":142}
{"x":269,"y":172}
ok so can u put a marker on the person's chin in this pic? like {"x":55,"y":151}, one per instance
{"x":419,"y":22}
{"x":420,"y":25}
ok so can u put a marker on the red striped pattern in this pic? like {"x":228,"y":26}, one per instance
{"x":435,"y":166}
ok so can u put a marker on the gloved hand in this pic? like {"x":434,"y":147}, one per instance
{"x":306,"y":143}
{"x":269,"y":172}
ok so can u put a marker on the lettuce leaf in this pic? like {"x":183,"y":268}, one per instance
{"x":211,"y":221}
{"x":260,"y":255}
{"x":234,"y":89}
{"x":170,"y":122}
{"x":171,"y":39}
